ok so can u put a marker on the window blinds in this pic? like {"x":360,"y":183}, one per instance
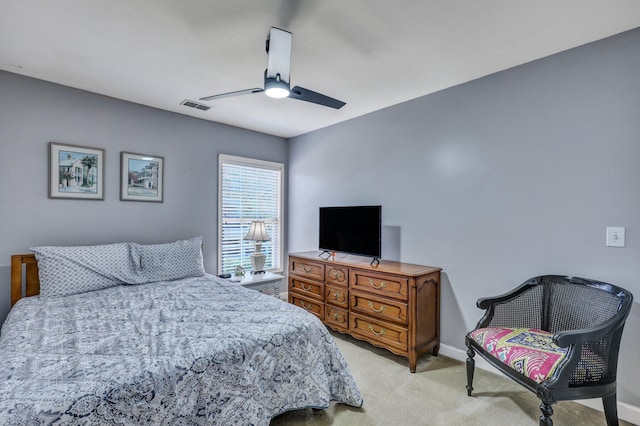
{"x":249,"y":190}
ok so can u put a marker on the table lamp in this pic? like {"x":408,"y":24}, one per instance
{"x":258,"y":233}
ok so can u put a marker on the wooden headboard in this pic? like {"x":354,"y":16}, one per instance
{"x":31,"y":279}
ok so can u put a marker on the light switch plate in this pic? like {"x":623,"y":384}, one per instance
{"x":615,"y":236}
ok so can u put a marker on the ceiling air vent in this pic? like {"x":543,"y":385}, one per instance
{"x":195,"y":105}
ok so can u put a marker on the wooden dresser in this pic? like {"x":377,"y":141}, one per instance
{"x":392,"y":305}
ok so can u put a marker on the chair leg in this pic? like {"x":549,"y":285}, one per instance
{"x":610,"y":410}
{"x":471,"y":364}
{"x":547,"y":412}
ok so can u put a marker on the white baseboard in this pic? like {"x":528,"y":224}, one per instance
{"x":627,"y":412}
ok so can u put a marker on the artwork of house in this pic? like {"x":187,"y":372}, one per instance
{"x":70,"y":171}
{"x":77,"y":172}
{"x":143,"y":176}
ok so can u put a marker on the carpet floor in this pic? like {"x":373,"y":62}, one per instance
{"x":434,"y":395}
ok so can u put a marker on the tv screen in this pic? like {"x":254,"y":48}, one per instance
{"x":354,"y":230}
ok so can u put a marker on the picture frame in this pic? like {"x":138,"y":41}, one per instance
{"x":76,"y":172}
{"x":141,"y":177}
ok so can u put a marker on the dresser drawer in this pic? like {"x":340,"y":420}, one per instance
{"x":384,"y":285}
{"x":378,"y":332}
{"x":380,"y":308}
{"x":337,"y":296}
{"x":337,"y":318}
{"x":307,"y":288}
{"x":315,"y":307}
{"x":338,"y":275}
{"x":306,"y":268}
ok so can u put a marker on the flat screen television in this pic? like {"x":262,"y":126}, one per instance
{"x":353,"y":230}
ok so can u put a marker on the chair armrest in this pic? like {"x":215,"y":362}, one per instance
{"x":500,"y":311}
{"x":566,"y":338}
{"x":487,"y":302}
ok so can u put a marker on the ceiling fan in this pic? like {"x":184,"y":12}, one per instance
{"x":276,"y":76}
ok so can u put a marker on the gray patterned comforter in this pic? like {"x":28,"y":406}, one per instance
{"x":197,"y":351}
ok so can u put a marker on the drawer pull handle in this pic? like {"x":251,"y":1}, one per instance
{"x":336,"y":316}
{"x":304,"y":305}
{"x":380,"y":310}
{"x":305,"y":287}
{"x":307,"y":268}
{"x":380,"y":333}
{"x":336,"y":275}
{"x":383,"y":284}
{"x":337,"y":296}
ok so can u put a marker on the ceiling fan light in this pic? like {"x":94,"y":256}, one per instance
{"x":275,"y":88}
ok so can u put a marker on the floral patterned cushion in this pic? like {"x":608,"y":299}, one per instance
{"x":529,"y":351}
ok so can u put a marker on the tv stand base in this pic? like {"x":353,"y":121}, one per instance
{"x":325,"y":252}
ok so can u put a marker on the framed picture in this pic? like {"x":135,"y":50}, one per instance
{"x":141,"y":177}
{"x":76,"y":172}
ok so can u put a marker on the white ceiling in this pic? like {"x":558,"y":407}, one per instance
{"x":369,"y":53}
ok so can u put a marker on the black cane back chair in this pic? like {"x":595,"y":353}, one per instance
{"x":557,"y":336}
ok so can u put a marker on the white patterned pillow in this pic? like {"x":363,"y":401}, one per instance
{"x":171,"y":261}
{"x":70,"y":270}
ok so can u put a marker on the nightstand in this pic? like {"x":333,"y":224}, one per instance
{"x":259,"y":282}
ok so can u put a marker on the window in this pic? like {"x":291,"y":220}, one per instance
{"x":249,"y":190}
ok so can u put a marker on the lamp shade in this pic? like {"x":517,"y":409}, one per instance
{"x":257,"y":232}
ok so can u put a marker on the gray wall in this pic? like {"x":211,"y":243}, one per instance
{"x":33,"y":113}
{"x":504,"y":178}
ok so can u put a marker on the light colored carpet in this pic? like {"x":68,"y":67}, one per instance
{"x":434,"y":395}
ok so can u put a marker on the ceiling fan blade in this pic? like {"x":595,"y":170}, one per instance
{"x":307,"y":95}
{"x":295,"y":10}
{"x":279,"y":50}
{"x":230,"y":94}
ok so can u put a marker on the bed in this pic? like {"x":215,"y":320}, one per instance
{"x":193,"y":349}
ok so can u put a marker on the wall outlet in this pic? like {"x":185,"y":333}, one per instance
{"x":615,"y":236}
